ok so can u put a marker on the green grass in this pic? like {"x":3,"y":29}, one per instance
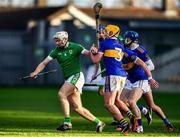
{"x":36,"y":112}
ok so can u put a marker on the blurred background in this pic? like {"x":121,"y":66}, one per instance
{"x":27,"y":27}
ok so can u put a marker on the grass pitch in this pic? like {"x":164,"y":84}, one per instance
{"x":35,"y":112}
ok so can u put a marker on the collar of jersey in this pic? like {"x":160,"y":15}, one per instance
{"x":113,"y":38}
{"x":134,"y":46}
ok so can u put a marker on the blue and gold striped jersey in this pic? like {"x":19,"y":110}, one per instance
{"x":135,"y":72}
{"x":141,"y":52}
{"x":113,"y":52}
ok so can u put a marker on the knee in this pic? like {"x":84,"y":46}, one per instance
{"x":151,"y":104}
{"x":108,"y":105}
{"x":123,"y":99}
{"x":124,"y":102}
{"x":119,"y":103}
{"x":61,"y":95}
{"x":132,"y":102}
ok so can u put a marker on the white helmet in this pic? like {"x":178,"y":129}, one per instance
{"x":61,"y":35}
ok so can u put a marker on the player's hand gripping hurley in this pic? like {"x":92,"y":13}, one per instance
{"x":40,"y":74}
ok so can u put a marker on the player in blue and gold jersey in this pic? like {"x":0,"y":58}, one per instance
{"x":136,"y":70}
{"x":111,"y":50}
{"x":138,"y":80}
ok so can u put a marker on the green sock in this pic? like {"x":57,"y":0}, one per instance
{"x":67,"y":119}
{"x":96,"y":120}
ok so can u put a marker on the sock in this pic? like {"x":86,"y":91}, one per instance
{"x":166,"y":121}
{"x":143,"y":109}
{"x":97,"y":121}
{"x":122,"y":122}
{"x":139,"y":122}
{"x":129,"y":114}
{"x":67,"y":120}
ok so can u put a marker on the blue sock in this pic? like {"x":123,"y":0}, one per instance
{"x":166,"y":121}
{"x":139,"y":122}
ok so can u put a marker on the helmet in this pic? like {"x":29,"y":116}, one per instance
{"x":112,"y":30}
{"x":61,"y":35}
{"x":132,"y":35}
{"x":102,"y":28}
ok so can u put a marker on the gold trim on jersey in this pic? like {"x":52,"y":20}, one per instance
{"x":113,"y":53}
{"x":128,"y":66}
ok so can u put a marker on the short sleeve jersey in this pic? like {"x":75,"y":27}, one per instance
{"x":112,"y":51}
{"x":142,"y":53}
{"x":68,"y":58}
{"x":129,"y":57}
{"x":135,"y":72}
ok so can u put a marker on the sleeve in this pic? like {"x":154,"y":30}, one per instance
{"x":150,"y":64}
{"x":101,"y":47}
{"x":131,"y":56}
{"x":84,"y":50}
{"x":80,"y":49}
{"x":144,"y":56}
{"x":52,"y":54}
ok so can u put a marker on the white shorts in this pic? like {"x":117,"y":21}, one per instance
{"x":114,"y":83}
{"x":77,"y":80}
{"x":143,"y":84}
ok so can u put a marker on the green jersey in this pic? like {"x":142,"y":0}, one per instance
{"x":120,"y":38}
{"x":68,"y":58}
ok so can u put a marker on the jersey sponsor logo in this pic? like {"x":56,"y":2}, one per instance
{"x":70,"y":51}
{"x":66,"y":53}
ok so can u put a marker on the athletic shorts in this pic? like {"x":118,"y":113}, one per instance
{"x":143,"y":84}
{"x":77,"y":80}
{"x":114,"y":83}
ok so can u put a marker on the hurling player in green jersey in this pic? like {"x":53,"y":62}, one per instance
{"x":68,"y":56}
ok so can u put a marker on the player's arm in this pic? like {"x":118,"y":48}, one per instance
{"x":148,"y":61}
{"x":152,"y":82}
{"x":82,"y":50}
{"x":150,"y":64}
{"x":95,"y":55}
{"x":85,"y":52}
{"x":40,"y":67}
